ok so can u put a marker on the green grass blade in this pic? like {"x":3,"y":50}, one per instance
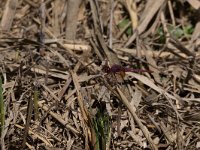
{"x":36,"y":99}
{"x":2,"y":112}
{"x":101,"y":125}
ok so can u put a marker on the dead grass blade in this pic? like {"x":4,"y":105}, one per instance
{"x":79,"y":96}
{"x":28,"y":121}
{"x":156,"y":72}
{"x":137,"y":120}
{"x":132,"y":9}
{"x":194,"y":3}
{"x":36,"y":100}
{"x":110,"y":55}
{"x":150,"y":83}
{"x":180,"y":47}
{"x":73,"y":7}
{"x":58,"y":118}
{"x":148,"y":14}
{"x":47,"y":142}
{"x":9,"y":13}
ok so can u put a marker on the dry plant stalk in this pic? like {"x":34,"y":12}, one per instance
{"x":9,"y":13}
{"x":71,"y":20}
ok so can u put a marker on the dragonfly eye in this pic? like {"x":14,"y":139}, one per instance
{"x":116,"y":68}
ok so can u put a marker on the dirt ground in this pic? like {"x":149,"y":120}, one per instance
{"x":100,"y":74}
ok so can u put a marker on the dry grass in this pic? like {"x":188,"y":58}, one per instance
{"x":56,"y":94}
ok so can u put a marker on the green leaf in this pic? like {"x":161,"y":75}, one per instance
{"x":123,"y":24}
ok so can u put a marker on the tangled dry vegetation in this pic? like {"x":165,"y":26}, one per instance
{"x":56,"y":88}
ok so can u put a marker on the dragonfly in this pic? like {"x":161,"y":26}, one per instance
{"x":117,"y":70}
{"x":114,"y":75}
